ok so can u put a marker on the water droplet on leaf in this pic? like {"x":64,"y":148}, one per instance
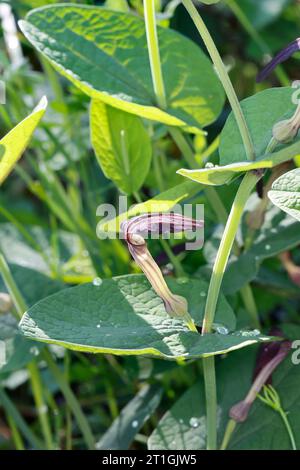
{"x":194,"y":422}
{"x":97,"y":281}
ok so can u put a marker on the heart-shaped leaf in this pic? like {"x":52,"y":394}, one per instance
{"x":261,"y":111}
{"x":14,"y":143}
{"x":105,"y":54}
{"x":285,"y":193}
{"x":218,"y":175}
{"x":124,"y":316}
{"x":121,"y":144}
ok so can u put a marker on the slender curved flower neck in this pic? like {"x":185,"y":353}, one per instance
{"x":139,"y":227}
{"x":240,"y":411}
{"x":282,"y":56}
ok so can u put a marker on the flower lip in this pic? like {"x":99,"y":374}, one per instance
{"x":157,"y":223}
{"x":282,"y":56}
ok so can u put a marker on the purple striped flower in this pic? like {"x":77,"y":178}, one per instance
{"x":135,"y":230}
{"x":282,"y":56}
{"x":240,"y":411}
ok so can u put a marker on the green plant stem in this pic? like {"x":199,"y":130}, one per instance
{"x":36,"y":384}
{"x":70,"y":399}
{"x":173,"y":258}
{"x":209,"y":373}
{"x":13,"y":412}
{"x":154,"y":56}
{"x":288,"y":428}
{"x":41,"y":407}
{"x":244,"y":191}
{"x":224,"y":77}
{"x":231,"y":425}
{"x":256,"y":37}
{"x":249,"y":301}
{"x":34,"y":373}
{"x":17,"y":438}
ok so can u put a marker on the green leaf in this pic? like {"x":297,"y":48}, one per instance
{"x":218,"y":175}
{"x":261,"y":111}
{"x":183,"y":427}
{"x":105,"y":54}
{"x":18,"y":349}
{"x":278,"y":234}
{"x":285,"y":193}
{"x":14,"y":143}
{"x":131,"y":419}
{"x":264,"y":12}
{"x":123,"y":316}
{"x":121,"y":144}
{"x":163,"y":202}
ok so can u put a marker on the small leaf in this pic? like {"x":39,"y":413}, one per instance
{"x":123,"y":316}
{"x":14,"y":143}
{"x":131,"y":419}
{"x":261,"y":111}
{"x":121,"y":144}
{"x":219,"y":175}
{"x":285,"y":193}
{"x":105,"y":54}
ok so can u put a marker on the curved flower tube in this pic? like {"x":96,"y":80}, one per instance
{"x":282,"y":56}
{"x":139,"y":227}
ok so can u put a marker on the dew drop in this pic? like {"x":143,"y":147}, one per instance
{"x":135,"y":423}
{"x":267,"y":247}
{"x":202,"y":294}
{"x":182,"y":280}
{"x":34,"y":351}
{"x":222,"y":330}
{"x":98,"y":326}
{"x":194,"y":422}
{"x":97,"y":281}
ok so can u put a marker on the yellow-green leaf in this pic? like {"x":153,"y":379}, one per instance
{"x":14,"y":143}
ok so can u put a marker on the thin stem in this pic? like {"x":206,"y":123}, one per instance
{"x":70,"y":399}
{"x":249,"y":301}
{"x":13,"y":412}
{"x":224,"y":77}
{"x":231,"y":425}
{"x":173,"y":258}
{"x":17,"y":438}
{"x":211,"y":401}
{"x":154,"y":56}
{"x":41,"y":407}
{"x":244,"y":191}
{"x":64,"y":386}
{"x":288,"y":428}
{"x":249,"y":181}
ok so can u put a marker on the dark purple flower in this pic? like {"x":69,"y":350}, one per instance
{"x":282,"y":56}
{"x":240,"y":411}
{"x":134,"y":231}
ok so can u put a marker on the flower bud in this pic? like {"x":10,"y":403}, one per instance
{"x":285,"y":131}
